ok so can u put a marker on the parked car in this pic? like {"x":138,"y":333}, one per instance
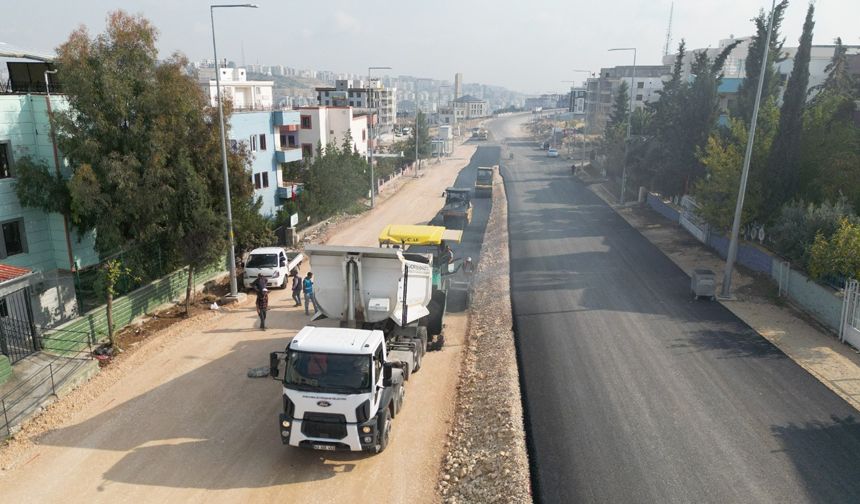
{"x":552,"y":153}
{"x":275,"y":263}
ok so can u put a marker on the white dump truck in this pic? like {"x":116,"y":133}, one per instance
{"x":342,"y":386}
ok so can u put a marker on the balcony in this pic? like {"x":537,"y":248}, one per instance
{"x":286,"y":117}
{"x":288,"y":155}
{"x":289,"y":192}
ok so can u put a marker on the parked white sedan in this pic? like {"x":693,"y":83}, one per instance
{"x":552,"y":153}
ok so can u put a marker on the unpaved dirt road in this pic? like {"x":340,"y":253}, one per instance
{"x":185,"y":424}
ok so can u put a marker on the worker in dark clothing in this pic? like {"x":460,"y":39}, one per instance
{"x":447,"y":256}
{"x":297,"y":287}
{"x":262,"y":306}
{"x":259,"y":283}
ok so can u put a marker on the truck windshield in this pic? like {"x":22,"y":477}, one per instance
{"x":262,"y":261}
{"x":333,"y":373}
{"x":485,"y":175}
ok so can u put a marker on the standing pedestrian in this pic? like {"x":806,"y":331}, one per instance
{"x":297,"y":287}
{"x":262,"y":306}
{"x":308,"y":284}
{"x":259,"y":283}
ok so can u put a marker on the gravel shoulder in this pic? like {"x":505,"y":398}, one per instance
{"x":486,"y":458}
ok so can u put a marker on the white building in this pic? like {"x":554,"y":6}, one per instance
{"x":245,"y":94}
{"x":465,"y":107}
{"x":366,"y":96}
{"x":325,"y":125}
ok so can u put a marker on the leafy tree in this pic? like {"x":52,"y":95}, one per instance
{"x":837,"y":257}
{"x":143,"y":148}
{"x":620,"y":107}
{"x":799,"y":223}
{"x":424,"y":147}
{"x":749,"y":86}
{"x":668,"y":129}
{"x":839,"y":79}
{"x":784,"y":163}
{"x":830,"y":145}
{"x":723,"y":159}
{"x":336,"y":180}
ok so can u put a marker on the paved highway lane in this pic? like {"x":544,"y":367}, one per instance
{"x":636,"y":393}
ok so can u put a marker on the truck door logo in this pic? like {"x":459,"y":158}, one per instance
{"x":323,"y":404}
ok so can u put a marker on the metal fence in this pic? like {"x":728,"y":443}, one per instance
{"x":43,"y":382}
{"x":17,"y":333}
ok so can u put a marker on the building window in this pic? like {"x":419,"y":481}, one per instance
{"x":262,"y":142}
{"x":253,"y":143}
{"x":306,"y":122}
{"x":265,"y":179}
{"x":291,"y":141}
{"x":307,"y":150}
{"x":13,"y":238}
{"x":5,"y":160}
{"x":640,"y":85}
{"x":283,"y":141}
{"x":639,"y":97}
{"x":363,"y":135}
{"x":257,"y":182}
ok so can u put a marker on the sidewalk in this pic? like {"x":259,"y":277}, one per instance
{"x":835,"y":364}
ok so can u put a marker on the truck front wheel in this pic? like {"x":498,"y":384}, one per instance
{"x":384,"y":430}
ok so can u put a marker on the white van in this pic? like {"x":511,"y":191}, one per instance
{"x":275,"y":263}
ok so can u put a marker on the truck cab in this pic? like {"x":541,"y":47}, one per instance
{"x":341,"y":389}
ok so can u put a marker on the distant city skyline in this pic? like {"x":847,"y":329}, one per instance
{"x":525,"y":47}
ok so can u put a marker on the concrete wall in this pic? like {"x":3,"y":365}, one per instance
{"x":823,"y":303}
{"x":749,"y":255}
{"x":663,"y":209}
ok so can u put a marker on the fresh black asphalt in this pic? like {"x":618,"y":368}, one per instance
{"x":636,"y":393}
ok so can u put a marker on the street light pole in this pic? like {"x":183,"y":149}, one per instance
{"x":234,"y":291}
{"x":373,"y":131}
{"x":739,"y":207}
{"x":585,"y":126}
{"x":629,"y":121}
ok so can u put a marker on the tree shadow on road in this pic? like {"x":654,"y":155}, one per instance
{"x":834,"y":477}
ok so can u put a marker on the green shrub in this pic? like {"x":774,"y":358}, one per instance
{"x":800,"y":224}
{"x":839,"y":256}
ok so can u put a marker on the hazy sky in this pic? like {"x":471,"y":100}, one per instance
{"x":528,"y":46}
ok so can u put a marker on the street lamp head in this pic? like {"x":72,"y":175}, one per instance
{"x":623,"y":49}
{"x":248,"y":6}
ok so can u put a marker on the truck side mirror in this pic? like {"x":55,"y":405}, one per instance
{"x":386,"y":374}
{"x":273,"y":365}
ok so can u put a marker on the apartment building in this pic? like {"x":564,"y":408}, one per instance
{"x":38,"y":252}
{"x":367,"y":96}
{"x":235,"y":86}
{"x":645,"y":81}
{"x":270,"y":136}
{"x":325,"y":125}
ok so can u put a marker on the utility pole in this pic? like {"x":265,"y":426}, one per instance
{"x":739,"y":207}
{"x":417,"y":160}
{"x":373,"y":131}
{"x":629,"y":121}
{"x":234,"y":291}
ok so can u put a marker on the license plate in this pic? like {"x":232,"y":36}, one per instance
{"x":323,"y":447}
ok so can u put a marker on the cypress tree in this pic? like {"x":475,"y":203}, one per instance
{"x":749,"y":86}
{"x":784,"y":161}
